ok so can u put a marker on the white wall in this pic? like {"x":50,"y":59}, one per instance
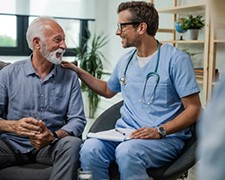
{"x":106,"y":21}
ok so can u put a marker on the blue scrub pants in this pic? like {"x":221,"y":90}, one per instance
{"x":132,"y":156}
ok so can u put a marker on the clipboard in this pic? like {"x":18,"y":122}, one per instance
{"x":118,"y":134}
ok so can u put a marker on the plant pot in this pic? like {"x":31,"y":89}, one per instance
{"x":192,"y":34}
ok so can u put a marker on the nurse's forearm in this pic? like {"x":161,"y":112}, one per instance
{"x":97,"y":85}
{"x":189,"y":116}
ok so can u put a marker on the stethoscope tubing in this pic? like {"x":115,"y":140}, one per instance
{"x":123,"y":79}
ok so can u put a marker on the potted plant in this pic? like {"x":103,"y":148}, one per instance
{"x":91,"y":60}
{"x":193,"y":25}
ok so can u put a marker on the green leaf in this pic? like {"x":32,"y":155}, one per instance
{"x":192,"y":22}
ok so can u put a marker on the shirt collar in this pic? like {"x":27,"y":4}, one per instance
{"x":29,"y":69}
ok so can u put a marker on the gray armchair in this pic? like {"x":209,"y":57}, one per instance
{"x":3,"y":64}
{"x":177,"y":169}
{"x":33,"y":171}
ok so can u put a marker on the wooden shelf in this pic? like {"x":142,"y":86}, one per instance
{"x":220,"y":25}
{"x":197,"y":8}
{"x":200,"y":81}
{"x":209,"y":41}
{"x":185,"y":41}
{"x":161,"y":30}
{"x":219,"y":41}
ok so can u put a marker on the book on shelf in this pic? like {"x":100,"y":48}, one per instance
{"x":118,"y":134}
{"x":200,"y":71}
{"x":198,"y":76}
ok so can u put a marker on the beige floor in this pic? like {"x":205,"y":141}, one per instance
{"x":192,"y":173}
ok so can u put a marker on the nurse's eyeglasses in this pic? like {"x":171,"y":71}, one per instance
{"x":120,"y":25}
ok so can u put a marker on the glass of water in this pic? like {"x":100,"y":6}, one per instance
{"x":84,"y":174}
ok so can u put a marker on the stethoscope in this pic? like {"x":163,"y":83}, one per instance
{"x":123,"y":79}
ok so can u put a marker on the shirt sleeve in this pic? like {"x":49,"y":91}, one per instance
{"x":183,"y":75}
{"x":3,"y":95}
{"x":76,"y":120}
{"x":119,"y":71}
{"x":113,"y":82}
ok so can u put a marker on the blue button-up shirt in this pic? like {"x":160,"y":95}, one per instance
{"x":56,"y":100}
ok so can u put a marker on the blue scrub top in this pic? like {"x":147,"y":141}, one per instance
{"x":177,"y":80}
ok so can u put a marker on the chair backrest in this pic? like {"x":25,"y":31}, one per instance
{"x":107,"y":119}
{"x":3,"y":64}
{"x":173,"y":170}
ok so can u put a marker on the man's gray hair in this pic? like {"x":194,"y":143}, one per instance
{"x":36,"y":29}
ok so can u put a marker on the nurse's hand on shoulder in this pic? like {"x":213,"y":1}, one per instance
{"x":145,"y":133}
{"x":69,"y":65}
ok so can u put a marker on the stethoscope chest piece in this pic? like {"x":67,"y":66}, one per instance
{"x":123,"y":80}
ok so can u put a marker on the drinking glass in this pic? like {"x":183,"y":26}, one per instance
{"x":84,"y":174}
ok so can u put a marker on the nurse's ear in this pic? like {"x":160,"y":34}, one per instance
{"x":142,"y":28}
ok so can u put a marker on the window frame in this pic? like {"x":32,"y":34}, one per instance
{"x":22,"y":48}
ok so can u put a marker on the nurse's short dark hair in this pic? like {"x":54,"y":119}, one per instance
{"x":142,"y":11}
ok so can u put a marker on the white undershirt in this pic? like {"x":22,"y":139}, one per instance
{"x":144,"y":60}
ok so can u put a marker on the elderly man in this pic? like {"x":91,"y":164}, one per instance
{"x":41,"y":108}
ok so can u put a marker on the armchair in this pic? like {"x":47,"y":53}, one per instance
{"x":177,"y":169}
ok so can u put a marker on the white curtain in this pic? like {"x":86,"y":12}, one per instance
{"x":82,"y":9}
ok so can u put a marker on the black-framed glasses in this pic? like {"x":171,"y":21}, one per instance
{"x":120,"y":25}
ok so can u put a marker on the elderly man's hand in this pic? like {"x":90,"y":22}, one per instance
{"x":26,"y":127}
{"x":42,"y":139}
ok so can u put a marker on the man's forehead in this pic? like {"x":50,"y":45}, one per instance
{"x":55,"y":30}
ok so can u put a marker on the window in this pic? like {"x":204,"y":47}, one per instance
{"x":8,"y":36}
{"x":13,"y":34}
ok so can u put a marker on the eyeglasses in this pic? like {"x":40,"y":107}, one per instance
{"x":120,"y":25}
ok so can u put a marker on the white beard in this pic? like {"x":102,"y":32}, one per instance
{"x":51,"y":56}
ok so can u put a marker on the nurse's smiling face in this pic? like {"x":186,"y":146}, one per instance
{"x":127,"y":29}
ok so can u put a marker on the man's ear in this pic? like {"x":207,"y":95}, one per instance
{"x":143,"y":27}
{"x":36,"y":43}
